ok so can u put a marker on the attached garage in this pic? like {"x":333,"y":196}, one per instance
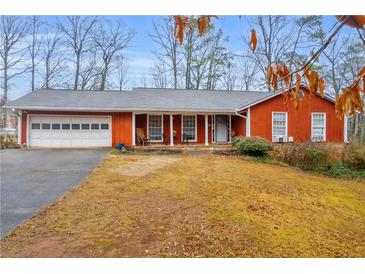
{"x":69,"y":131}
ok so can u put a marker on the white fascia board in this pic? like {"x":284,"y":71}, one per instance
{"x":326,"y":96}
{"x":41,"y":108}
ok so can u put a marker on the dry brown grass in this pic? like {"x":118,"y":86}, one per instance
{"x":198,"y":207}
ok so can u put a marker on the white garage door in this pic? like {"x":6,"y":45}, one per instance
{"x":69,"y":131}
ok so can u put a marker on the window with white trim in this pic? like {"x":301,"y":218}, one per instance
{"x":155,"y":130}
{"x":318,"y":127}
{"x":279,"y":126}
{"x":189,"y":128}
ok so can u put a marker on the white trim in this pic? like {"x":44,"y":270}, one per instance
{"x":345,"y":128}
{"x":70,"y":115}
{"x":213,"y":128}
{"x":324,"y":126}
{"x":133,"y":129}
{"x":326,"y":96}
{"x":248,"y":122}
{"x":171,"y":130}
{"x":230,"y":129}
{"x":258,"y":102}
{"x":28,"y":131}
{"x":148,"y":128}
{"x":272,"y":124}
{"x":182,"y":127}
{"x":136,"y":110}
{"x":20,"y":115}
{"x":206,"y":130}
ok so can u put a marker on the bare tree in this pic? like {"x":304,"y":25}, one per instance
{"x":53,"y":59}
{"x":158,"y":73}
{"x":110,"y":38}
{"x":275,"y":41}
{"x":122,"y":70}
{"x":248,"y":71}
{"x":34,"y":46}
{"x":167,"y":53}
{"x":77,"y":30}
{"x":13,"y":30}
{"x":90,"y":71}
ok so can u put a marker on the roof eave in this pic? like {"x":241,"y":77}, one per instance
{"x":42,"y":108}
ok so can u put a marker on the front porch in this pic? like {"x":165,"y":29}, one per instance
{"x":186,"y":130}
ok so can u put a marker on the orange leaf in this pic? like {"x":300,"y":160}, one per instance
{"x":298,"y":82}
{"x":363,"y":84}
{"x":361,"y":72}
{"x":354,"y":21}
{"x":294,"y":96}
{"x":179,"y":27}
{"x":202,"y":25}
{"x":321,"y":86}
{"x":253,"y":40}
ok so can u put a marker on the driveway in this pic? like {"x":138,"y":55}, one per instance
{"x":33,"y":178}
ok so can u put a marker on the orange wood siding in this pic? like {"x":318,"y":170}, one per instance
{"x":200,"y":129}
{"x":177,"y":128}
{"x":238,"y":125}
{"x":166,"y":128}
{"x":299,"y":121}
{"x":122,"y":128}
{"x":141,"y":122}
{"x":24,"y":128}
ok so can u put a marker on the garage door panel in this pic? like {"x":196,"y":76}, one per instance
{"x":69,"y":137}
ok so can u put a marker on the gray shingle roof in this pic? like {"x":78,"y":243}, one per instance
{"x":139,"y":99}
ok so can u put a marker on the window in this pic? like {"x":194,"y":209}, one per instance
{"x":155,"y":130}
{"x":189,"y":128}
{"x":318,"y":127}
{"x":279,"y":126}
{"x":36,"y":126}
{"x":75,"y":126}
{"x":85,"y":126}
{"x":94,"y":126}
{"x":66,"y":126}
{"x":104,"y":126}
{"x":56,"y":126}
{"x":46,"y":126}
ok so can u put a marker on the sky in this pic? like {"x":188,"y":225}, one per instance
{"x":140,"y":52}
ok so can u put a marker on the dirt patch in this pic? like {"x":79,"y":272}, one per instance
{"x":145,"y":166}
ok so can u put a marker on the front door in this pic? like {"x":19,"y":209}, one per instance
{"x":221,"y":122}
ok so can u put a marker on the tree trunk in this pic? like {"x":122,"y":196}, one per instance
{"x":77,"y":72}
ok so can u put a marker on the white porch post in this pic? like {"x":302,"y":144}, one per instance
{"x":248,"y":123}
{"x":171,"y":130}
{"x":133,"y":129}
{"x":206,"y":130}
{"x":19,"y":128}
{"x":345,"y":124}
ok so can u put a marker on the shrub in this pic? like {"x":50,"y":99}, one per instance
{"x":254,"y":146}
{"x":354,"y":157}
{"x":307,"y":156}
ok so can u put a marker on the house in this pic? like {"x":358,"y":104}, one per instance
{"x":66,"y":118}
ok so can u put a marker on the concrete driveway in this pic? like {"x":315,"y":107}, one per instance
{"x":32,"y":178}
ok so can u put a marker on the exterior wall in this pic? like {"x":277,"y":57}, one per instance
{"x":299,"y":121}
{"x":121,"y":124}
{"x":238,"y":125}
{"x":24,"y":128}
{"x":200,"y":129}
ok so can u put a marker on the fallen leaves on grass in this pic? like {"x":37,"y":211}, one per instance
{"x":211,"y":206}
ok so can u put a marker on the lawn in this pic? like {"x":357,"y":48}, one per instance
{"x":214,"y":206}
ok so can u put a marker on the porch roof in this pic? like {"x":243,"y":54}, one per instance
{"x":138,"y":100}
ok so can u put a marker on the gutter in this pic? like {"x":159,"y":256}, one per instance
{"x":240,"y":115}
